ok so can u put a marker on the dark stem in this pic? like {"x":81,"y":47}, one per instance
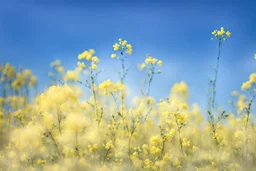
{"x":216,"y":77}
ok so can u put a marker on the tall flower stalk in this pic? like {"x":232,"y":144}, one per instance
{"x":123,"y":49}
{"x":150,"y":65}
{"x":250,"y":87}
{"x":87,"y":61}
{"x":221,"y":36}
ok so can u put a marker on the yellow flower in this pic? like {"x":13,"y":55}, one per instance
{"x":181,"y":119}
{"x":135,"y":154}
{"x":222,"y":31}
{"x":166,"y":157}
{"x":95,"y":59}
{"x":129,"y":46}
{"x":246,"y":85}
{"x":39,"y":162}
{"x":142,"y":66}
{"x":124,"y":43}
{"x":160,"y":63}
{"x":94,"y":66}
{"x":109,"y":145}
{"x":95,"y":146}
{"x":81,"y":65}
{"x":113,"y":55}
{"x":218,"y":137}
{"x":154,"y":61}
{"x":92,"y":51}
{"x":86,"y":55}
{"x":219,"y":33}
{"x":148,"y":60}
{"x":27,"y":73}
{"x":184,"y":106}
{"x":116,"y":47}
{"x":252,"y":78}
{"x":72,"y":75}
{"x":55,"y":63}
{"x":60,"y":69}
{"x":186,"y":142}
{"x":155,"y":140}
{"x":176,"y":163}
{"x":228,"y":33}
{"x":33,"y":81}
{"x":238,"y":135}
{"x":83,"y":55}
{"x":129,"y":51}
{"x":214,"y":32}
{"x":89,"y":57}
{"x":180,"y":88}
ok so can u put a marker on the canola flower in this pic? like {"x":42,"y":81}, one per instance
{"x":248,"y":86}
{"x":89,"y":62}
{"x":150,"y":65}
{"x":122,"y":49}
{"x":221,"y":36}
{"x":57,"y":72}
{"x":59,"y":129}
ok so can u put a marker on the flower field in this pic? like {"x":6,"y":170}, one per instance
{"x":66,"y":128}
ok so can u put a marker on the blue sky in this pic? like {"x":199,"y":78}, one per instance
{"x":34,"y":33}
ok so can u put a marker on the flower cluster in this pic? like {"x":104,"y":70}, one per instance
{"x":221,"y":34}
{"x":250,"y":83}
{"x":150,"y":62}
{"x":110,"y":87}
{"x":89,"y":57}
{"x":150,"y":65}
{"x":123,"y":47}
{"x":18,"y":80}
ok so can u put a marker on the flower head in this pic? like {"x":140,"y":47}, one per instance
{"x":113,"y":55}
{"x":221,"y":34}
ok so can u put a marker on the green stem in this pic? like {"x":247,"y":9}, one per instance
{"x":55,"y":143}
